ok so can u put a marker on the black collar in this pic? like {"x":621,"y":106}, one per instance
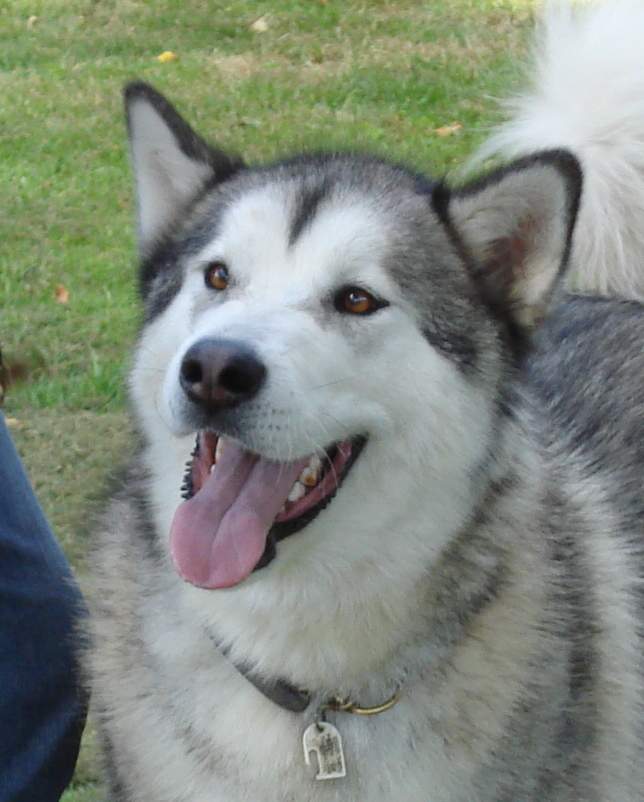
{"x":297,"y":700}
{"x":279,"y":691}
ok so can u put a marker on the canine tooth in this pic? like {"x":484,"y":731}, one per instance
{"x":219,"y":450}
{"x":309,"y":477}
{"x":297,"y":492}
{"x":212,"y":467}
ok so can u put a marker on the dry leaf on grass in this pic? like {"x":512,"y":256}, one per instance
{"x":448,"y":130}
{"x":167,"y":56}
{"x":13,"y":423}
{"x":260,"y":25}
{"x":249,"y":122}
{"x":32,"y":21}
{"x":61,"y":293}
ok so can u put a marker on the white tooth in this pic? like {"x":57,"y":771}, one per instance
{"x":212,"y":468}
{"x":297,"y":492}
{"x":308,"y":477}
{"x":219,"y":450}
{"x":315,"y":463}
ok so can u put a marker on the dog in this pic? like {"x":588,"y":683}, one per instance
{"x":403,"y":562}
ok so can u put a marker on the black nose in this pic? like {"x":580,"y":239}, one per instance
{"x":221,"y":373}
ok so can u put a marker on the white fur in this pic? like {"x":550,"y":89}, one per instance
{"x":588,"y":96}
{"x":326,"y":382}
{"x":328,"y":378}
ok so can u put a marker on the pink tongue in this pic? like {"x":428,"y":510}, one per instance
{"x":218,"y":536}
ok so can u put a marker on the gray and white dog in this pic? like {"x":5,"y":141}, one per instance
{"x":414,"y":485}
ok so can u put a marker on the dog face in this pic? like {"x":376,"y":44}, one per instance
{"x":335,"y":332}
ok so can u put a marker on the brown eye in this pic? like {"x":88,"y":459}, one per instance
{"x":216,"y":276}
{"x":356,"y":301}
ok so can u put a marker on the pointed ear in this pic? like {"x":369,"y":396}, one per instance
{"x":171,"y":163}
{"x":515,"y":228}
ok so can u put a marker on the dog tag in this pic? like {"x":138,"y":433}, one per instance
{"x":325,"y":741}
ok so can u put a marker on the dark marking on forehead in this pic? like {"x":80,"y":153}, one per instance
{"x":306,"y":206}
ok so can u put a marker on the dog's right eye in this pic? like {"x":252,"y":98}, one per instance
{"x":357,"y":301}
{"x":216,"y":276}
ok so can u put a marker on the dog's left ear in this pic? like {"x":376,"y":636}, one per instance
{"x":171,"y":163}
{"x":515,"y":228}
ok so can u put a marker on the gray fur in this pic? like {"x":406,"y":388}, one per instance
{"x":517,"y":640}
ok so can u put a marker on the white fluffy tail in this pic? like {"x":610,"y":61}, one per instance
{"x":588,"y":96}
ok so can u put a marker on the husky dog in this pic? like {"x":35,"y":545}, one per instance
{"x":414,"y":480}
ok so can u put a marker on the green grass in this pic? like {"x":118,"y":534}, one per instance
{"x":381,"y":75}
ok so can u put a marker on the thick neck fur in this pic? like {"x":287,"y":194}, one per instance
{"x":367,"y":628}
{"x":492,"y":626}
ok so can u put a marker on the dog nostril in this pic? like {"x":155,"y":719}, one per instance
{"x":244,"y":376}
{"x":192,"y":371}
{"x":235,"y":379}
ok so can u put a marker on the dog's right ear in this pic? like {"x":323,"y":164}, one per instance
{"x":171,"y":163}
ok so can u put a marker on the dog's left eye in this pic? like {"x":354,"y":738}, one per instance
{"x":357,"y":301}
{"x":216,"y":276}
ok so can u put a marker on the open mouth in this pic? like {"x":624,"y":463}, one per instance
{"x":238,"y":505}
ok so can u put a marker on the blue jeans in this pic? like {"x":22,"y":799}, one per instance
{"x":42,"y":706}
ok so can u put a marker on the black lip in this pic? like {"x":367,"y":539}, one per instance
{"x":281,"y":530}
{"x":187,"y":486}
{"x":284,"y":529}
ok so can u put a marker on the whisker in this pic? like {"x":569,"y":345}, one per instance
{"x":329,"y":384}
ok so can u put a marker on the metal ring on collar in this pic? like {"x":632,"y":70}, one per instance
{"x":347,"y":706}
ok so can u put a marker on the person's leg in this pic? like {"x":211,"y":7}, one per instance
{"x":42,"y":706}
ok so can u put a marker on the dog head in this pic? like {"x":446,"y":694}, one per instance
{"x":332,"y":335}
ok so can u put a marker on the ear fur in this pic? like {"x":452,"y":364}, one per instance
{"x":171,"y":163}
{"x":514,"y":228}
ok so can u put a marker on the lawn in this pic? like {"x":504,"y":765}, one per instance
{"x":413,"y":81}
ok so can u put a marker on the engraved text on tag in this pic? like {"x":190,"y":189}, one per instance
{"x":325,"y":741}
